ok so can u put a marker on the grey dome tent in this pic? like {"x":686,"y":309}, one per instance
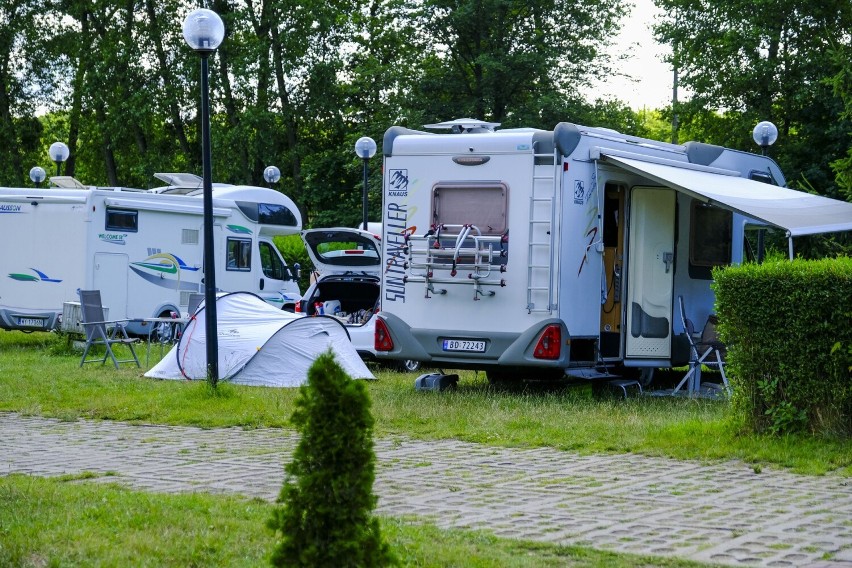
{"x":259,"y":345}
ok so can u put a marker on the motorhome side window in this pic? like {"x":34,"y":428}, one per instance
{"x":122,"y":220}
{"x":268,"y":213}
{"x":710,"y":239}
{"x":239,"y":254}
{"x":271,"y":262}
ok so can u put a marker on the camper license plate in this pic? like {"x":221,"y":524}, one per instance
{"x":31,"y":322}
{"x":464,"y":345}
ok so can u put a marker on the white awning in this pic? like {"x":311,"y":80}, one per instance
{"x":798,"y":212}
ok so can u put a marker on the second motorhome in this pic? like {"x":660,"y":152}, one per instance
{"x":529,"y":253}
{"x":142,"y":249}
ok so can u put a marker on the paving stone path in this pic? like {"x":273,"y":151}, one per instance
{"x":721,"y":513}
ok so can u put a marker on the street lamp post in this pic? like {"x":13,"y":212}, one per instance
{"x":365,"y":148}
{"x":203,"y":30}
{"x":37,"y":174}
{"x":58,"y":153}
{"x":271,"y":174}
{"x":765,"y":134}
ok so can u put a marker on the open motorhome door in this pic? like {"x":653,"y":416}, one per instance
{"x":797,"y":212}
{"x":650,"y":273}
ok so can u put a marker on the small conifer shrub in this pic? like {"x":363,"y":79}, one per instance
{"x":327,"y":498}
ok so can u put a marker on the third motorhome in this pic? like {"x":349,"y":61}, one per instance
{"x":142,"y":249}
{"x":525,"y":252}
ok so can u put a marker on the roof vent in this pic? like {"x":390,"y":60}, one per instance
{"x":464,"y":125}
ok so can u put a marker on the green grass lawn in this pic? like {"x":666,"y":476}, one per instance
{"x":72,"y":521}
{"x":39,"y":375}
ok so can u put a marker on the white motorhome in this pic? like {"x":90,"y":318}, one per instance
{"x":533,"y":253}
{"x":142,"y":249}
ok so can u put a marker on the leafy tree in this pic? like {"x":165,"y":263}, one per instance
{"x":842,"y":86}
{"x":327,"y":497}
{"x":750,"y":61}
{"x":21,"y":67}
{"x":496,"y":59}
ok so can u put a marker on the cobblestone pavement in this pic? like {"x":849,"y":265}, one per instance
{"x":721,"y":513}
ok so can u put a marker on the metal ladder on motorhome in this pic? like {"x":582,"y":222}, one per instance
{"x":543,"y":229}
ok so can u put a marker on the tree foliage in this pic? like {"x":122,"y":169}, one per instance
{"x":745,"y":62}
{"x":495,"y":59}
{"x":294,"y":84}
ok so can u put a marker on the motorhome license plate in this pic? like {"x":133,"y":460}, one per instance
{"x":464,"y":345}
{"x":31,"y":322}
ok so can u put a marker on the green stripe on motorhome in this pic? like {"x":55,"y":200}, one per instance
{"x":239,"y":229}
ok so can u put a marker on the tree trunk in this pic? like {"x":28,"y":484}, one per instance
{"x":291,"y":126}
{"x":177,"y":125}
{"x":232,"y":112}
{"x":76,"y":114}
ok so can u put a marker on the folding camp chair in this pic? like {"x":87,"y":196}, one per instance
{"x":705,"y":350}
{"x":102,"y":332}
{"x":195,"y":300}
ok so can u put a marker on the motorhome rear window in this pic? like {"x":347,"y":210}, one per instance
{"x":482,"y":205}
{"x":239,"y":254}
{"x":710,"y":239}
{"x":268,"y":213}
{"x":122,"y":220}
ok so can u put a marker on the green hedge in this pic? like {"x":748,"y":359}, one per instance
{"x":788,"y":327}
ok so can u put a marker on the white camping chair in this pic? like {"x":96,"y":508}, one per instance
{"x":703,"y":350}
{"x":101,"y":332}
{"x":195,"y":299}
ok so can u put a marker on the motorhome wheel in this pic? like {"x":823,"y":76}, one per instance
{"x":409,"y":366}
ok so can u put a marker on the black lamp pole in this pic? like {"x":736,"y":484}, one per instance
{"x":365,"y":148}
{"x":364,"y":200}
{"x":210,"y":316}
{"x":203,"y":30}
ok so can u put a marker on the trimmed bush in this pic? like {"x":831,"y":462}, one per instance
{"x":788,"y":328}
{"x":326,"y":518}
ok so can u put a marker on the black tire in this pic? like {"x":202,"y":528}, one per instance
{"x":499,"y":378}
{"x":531,"y":374}
{"x":646,"y":377}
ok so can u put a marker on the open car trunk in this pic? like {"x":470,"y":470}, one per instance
{"x":353,"y":299}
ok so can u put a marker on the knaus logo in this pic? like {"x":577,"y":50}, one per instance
{"x":7,"y":208}
{"x":579,"y":192}
{"x":398,"y":183}
{"x":113,"y":238}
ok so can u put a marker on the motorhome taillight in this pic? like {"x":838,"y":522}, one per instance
{"x":549,"y":344}
{"x":382,"y":338}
